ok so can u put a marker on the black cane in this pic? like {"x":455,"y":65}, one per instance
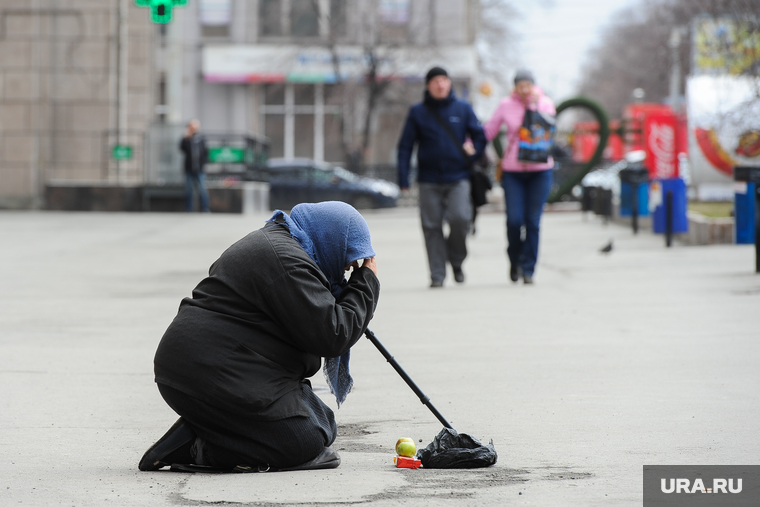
{"x":424,"y":399}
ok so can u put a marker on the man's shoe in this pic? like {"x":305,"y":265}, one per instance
{"x":173,"y":447}
{"x":435,"y":284}
{"x":514,"y":273}
{"x":458,"y":275}
{"x":528,"y":279}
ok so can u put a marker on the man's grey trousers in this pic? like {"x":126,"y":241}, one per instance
{"x":450,"y":202}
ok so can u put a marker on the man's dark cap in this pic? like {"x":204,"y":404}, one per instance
{"x":524,"y":75}
{"x":435,"y":71}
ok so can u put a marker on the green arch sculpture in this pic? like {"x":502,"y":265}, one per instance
{"x":604,"y":133}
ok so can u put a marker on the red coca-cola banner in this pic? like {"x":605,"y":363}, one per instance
{"x":661,"y":145}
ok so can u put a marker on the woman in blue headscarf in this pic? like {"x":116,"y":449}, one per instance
{"x":234,"y":362}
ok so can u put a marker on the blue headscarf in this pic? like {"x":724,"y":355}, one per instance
{"x":334,"y":235}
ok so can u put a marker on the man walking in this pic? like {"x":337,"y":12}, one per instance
{"x":193,"y":146}
{"x":449,"y":139}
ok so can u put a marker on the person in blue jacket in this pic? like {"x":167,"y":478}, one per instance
{"x":449,"y":139}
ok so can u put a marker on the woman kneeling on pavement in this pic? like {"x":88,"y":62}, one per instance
{"x":235,"y":361}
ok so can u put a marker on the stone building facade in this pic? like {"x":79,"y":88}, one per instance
{"x":58,"y":94}
{"x":295,"y":71}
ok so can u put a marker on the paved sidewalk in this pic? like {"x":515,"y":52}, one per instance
{"x":647,"y":355}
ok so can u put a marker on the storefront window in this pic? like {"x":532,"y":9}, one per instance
{"x":304,"y":21}
{"x":270,"y":17}
{"x":300,"y":18}
{"x":304,"y":135}
{"x":304,"y":95}
{"x":274,"y":94}
{"x":333,"y":138}
{"x":296,"y":116}
{"x":215,"y":17}
{"x":274,"y":129}
{"x":338,"y":17}
{"x":395,"y":12}
{"x":394,"y":20}
{"x":334,"y":94}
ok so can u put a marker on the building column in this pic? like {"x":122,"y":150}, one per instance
{"x":319,"y":122}
{"x":290,"y":122}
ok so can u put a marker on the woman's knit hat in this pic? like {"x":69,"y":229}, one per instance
{"x":524,"y":75}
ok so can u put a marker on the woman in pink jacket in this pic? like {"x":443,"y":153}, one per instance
{"x":526,"y":184}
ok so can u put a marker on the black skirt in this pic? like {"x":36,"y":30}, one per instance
{"x":227,"y":439}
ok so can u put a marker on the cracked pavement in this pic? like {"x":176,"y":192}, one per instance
{"x":645,"y":356}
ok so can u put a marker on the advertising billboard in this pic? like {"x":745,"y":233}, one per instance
{"x":725,"y":47}
{"x":660,"y":145}
{"x":724,"y":130}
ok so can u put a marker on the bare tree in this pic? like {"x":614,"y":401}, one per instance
{"x":634,"y":51}
{"x":496,"y":40}
{"x":372,"y":86}
{"x":382,"y":43}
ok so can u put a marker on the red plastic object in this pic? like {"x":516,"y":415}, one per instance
{"x":404,"y":462}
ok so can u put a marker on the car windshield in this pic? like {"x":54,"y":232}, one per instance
{"x":344,"y":174}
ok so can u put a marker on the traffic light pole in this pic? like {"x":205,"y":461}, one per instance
{"x":160,"y":10}
{"x":121,"y":81}
{"x":173,"y":71}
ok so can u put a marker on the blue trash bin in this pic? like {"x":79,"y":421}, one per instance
{"x":626,"y":199}
{"x":680,"y":223}
{"x":744,"y":214}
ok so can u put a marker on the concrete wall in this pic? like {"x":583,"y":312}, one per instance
{"x":249,"y":197}
{"x":58,"y":92}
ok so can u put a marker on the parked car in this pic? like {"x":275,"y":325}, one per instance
{"x":293,"y":181}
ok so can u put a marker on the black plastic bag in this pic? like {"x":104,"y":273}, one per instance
{"x":450,"y":449}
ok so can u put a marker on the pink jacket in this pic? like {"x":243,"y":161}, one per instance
{"x":510,"y":113}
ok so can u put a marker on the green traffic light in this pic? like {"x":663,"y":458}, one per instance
{"x":160,"y":10}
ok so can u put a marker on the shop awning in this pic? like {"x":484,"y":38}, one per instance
{"x":261,"y":63}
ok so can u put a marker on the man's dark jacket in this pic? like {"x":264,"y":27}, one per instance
{"x":196,"y":153}
{"x":439,"y":159}
{"x":259,"y":324}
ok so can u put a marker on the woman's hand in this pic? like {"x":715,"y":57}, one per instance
{"x":371,"y":263}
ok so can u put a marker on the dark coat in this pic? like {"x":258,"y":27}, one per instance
{"x":196,"y":153}
{"x":439,"y":159}
{"x":259,"y":324}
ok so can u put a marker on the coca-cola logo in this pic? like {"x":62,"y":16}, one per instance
{"x":662,"y":146}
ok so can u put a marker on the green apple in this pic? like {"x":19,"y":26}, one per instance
{"x":406,"y":447}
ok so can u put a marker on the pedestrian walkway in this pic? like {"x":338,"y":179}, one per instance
{"x":644,"y":355}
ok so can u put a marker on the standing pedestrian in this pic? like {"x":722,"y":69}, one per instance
{"x":449,"y":139}
{"x":526,"y":184}
{"x":193,"y":146}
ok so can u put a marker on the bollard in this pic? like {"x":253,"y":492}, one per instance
{"x":668,"y":218}
{"x":604,"y":198}
{"x":587,"y":198}
{"x":757,"y":228}
{"x":750,"y":175}
{"x":635,"y":209}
